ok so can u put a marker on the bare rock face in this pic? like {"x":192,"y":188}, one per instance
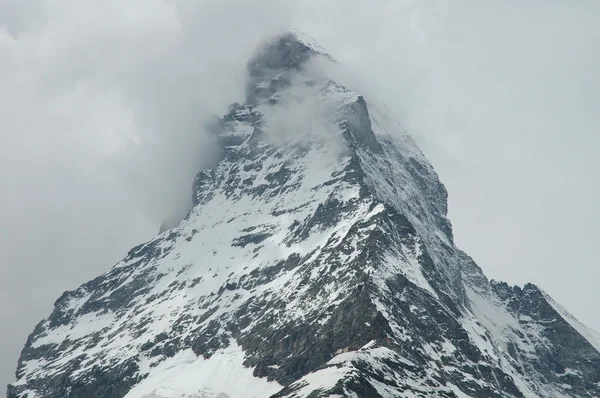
{"x":317,"y":261}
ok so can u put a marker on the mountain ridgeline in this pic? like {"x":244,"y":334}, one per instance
{"x":317,"y":261}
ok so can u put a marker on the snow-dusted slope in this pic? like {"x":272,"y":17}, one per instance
{"x":317,"y":262}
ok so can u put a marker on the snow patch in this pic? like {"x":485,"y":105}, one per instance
{"x":186,"y":375}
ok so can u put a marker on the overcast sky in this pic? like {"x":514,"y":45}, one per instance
{"x":102,"y":102}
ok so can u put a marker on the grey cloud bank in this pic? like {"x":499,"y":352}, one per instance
{"x":103,"y":104}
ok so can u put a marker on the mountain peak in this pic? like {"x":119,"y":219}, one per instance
{"x":308,"y":41}
{"x":317,"y":261}
{"x":277,"y":61}
{"x":286,"y":51}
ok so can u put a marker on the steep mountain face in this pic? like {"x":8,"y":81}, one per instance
{"x":317,"y":261}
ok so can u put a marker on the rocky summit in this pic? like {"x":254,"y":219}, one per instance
{"x":317,"y":261}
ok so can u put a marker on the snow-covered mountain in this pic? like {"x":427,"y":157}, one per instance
{"x":317,"y":261}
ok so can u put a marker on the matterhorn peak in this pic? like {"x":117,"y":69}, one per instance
{"x":286,"y":51}
{"x":277,"y":61}
{"x":317,"y":261}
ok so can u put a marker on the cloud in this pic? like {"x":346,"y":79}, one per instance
{"x":102,"y":132}
{"x":103,"y":106}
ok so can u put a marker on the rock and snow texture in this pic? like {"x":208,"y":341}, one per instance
{"x":317,"y":261}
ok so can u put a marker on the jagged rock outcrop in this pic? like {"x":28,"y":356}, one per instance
{"x":317,"y":261}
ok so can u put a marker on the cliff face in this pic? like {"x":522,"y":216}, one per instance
{"x":317,"y":261}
